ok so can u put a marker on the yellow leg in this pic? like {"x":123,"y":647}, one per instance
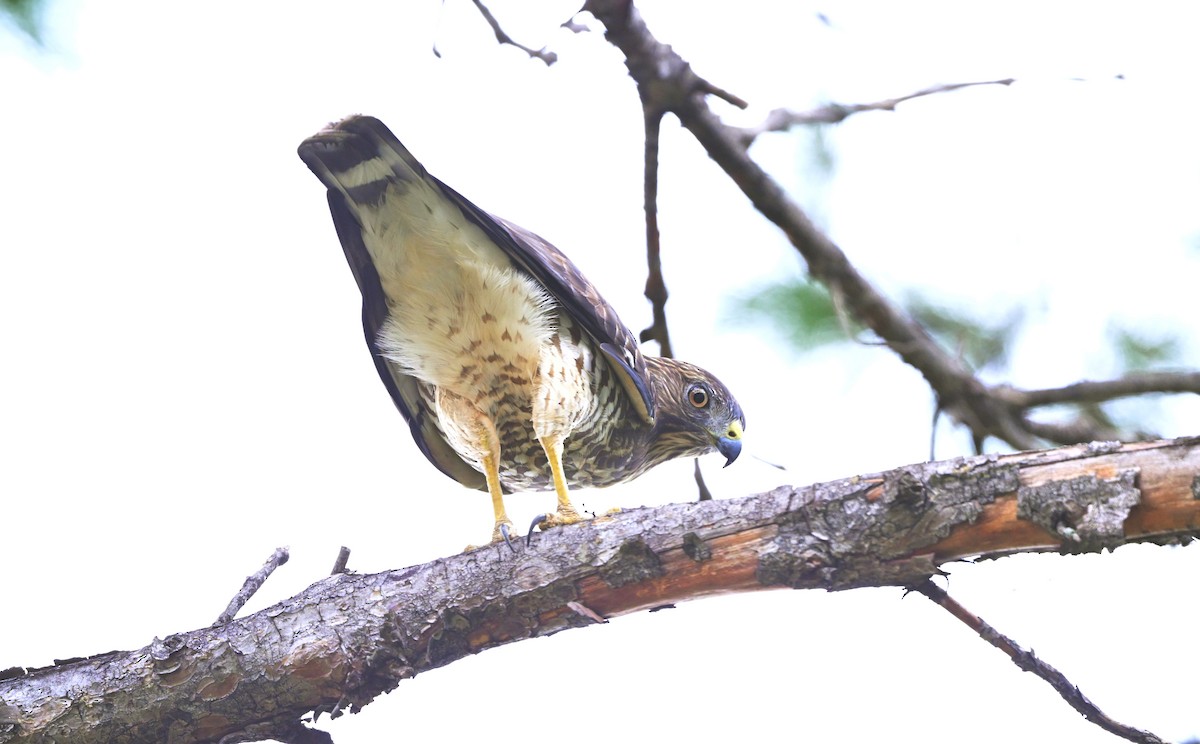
{"x":565,"y":514}
{"x":492,"y":472}
{"x":478,"y":430}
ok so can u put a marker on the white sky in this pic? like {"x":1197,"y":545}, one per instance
{"x":185,"y":385}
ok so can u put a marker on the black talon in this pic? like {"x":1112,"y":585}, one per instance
{"x":536,"y":521}
{"x":504,"y":532}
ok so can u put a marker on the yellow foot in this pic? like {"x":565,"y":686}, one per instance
{"x":554,"y":519}
{"x":559,"y":518}
{"x":503,"y":531}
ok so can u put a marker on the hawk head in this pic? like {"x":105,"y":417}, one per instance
{"x":694,"y":413}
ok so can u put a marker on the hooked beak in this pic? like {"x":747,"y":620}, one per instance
{"x":729,"y":443}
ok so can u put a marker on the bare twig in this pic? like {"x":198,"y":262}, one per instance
{"x":1078,"y":430}
{"x":705,"y":494}
{"x":1098,"y":391}
{"x":832,"y":113}
{"x":668,"y":82}
{"x":543,"y":54}
{"x":574,"y":26}
{"x":1090,"y":424}
{"x":937,"y":415}
{"x":252,"y":585}
{"x":713,"y":90}
{"x":656,"y":286}
{"x":1027,"y":661}
{"x":339,"y":564}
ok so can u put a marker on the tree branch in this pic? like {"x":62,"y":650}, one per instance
{"x":1076,"y":431}
{"x":339,"y":563}
{"x":656,"y":285}
{"x":348,"y":637}
{"x":252,"y":584}
{"x":1091,"y":424}
{"x":781,"y":120}
{"x":501,"y":36}
{"x":1099,"y":391}
{"x":1027,"y":661}
{"x":666,"y":81}
{"x":656,"y":67}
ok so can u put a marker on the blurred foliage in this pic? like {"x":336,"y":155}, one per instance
{"x":981,"y":344}
{"x":816,"y":165}
{"x":1140,"y":351}
{"x":822,"y":160}
{"x":803,"y":313}
{"x":25,"y":15}
{"x":800,"y":310}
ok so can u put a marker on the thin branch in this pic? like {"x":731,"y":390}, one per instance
{"x":574,"y":26}
{"x":543,"y":54}
{"x":1078,"y":430}
{"x":708,"y":88}
{"x":667,"y":80}
{"x":1028,"y":662}
{"x":1099,"y":391}
{"x":781,"y":120}
{"x":656,"y":286}
{"x":701,"y":486}
{"x":666,"y":83}
{"x":1090,"y":423}
{"x":252,"y":584}
{"x":937,"y":415}
{"x":339,"y":563}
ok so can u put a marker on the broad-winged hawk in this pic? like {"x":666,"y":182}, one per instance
{"x":512,"y":371}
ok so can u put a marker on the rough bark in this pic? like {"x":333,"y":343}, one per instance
{"x":347,"y":638}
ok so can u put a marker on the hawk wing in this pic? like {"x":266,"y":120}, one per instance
{"x":404,"y":389}
{"x":577,"y":296}
{"x":364,"y":142}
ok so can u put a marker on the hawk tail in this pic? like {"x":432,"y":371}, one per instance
{"x":358,"y":157}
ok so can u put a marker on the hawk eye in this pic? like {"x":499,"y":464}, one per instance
{"x":698,"y":396}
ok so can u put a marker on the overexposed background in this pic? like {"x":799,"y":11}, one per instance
{"x":185,"y":385}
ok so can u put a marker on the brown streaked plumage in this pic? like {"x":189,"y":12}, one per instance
{"x":511,"y":370}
